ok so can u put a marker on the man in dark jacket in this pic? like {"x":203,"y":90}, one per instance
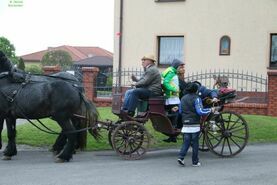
{"x":148,"y":85}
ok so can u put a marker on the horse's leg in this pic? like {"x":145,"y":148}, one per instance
{"x":1,"y":128}
{"x":59,"y":144}
{"x":10,"y":149}
{"x":67,"y":152}
{"x":81,"y":137}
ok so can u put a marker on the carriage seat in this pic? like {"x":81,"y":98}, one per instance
{"x":156,"y":104}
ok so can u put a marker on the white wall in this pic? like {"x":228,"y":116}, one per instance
{"x":202,"y":22}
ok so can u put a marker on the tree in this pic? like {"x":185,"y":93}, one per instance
{"x":57,"y":57}
{"x":21,"y":64}
{"x":8,"y":49}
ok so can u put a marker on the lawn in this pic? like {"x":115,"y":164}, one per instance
{"x":261,"y":129}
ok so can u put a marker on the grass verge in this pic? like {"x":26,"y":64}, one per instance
{"x":262,"y":129}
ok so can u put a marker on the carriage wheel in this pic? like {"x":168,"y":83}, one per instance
{"x":226,"y":134}
{"x":130,"y":140}
{"x":111,"y":131}
{"x":202,"y":143}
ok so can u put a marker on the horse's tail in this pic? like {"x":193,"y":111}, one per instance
{"x":91,"y":116}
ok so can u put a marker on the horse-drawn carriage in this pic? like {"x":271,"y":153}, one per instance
{"x":224,"y":133}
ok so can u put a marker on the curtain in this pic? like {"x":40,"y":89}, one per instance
{"x":171,"y":48}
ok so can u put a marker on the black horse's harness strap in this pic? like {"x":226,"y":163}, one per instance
{"x":50,"y":131}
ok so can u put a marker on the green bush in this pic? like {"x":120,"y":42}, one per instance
{"x":34,"y":69}
{"x":109,"y":81}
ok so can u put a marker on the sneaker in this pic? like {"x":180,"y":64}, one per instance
{"x":197,"y":164}
{"x":181,"y":162}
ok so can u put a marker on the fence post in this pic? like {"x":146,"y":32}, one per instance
{"x":51,"y":69}
{"x":89,"y":81}
{"x":272,"y":92}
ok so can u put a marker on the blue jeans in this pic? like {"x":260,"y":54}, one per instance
{"x":132,"y":97}
{"x":190,"y":139}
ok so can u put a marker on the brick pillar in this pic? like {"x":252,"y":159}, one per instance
{"x":272,"y":92}
{"x":89,"y":81}
{"x":51,"y":69}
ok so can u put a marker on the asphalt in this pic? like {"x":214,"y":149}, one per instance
{"x":256,"y":165}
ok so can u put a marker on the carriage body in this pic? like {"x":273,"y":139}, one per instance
{"x":224,"y":133}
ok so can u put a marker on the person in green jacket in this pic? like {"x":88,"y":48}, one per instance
{"x":170,"y":82}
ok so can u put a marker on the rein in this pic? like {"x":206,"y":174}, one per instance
{"x":50,"y":131}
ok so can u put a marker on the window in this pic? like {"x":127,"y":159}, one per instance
{"x":168,"y":0}
{"x":225,"y":45}
{"x":169,"y":48}
{"x":273,"y":50}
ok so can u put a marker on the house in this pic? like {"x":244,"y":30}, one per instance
{"x":77,"y":53}
{"x":104,"y":63}
{"x":213,"y":34}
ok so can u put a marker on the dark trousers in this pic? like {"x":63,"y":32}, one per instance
{"x":172,"y":116}
{"x":132,"y":97}
{"x":190,"y":139}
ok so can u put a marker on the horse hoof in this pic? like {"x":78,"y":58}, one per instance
{"x":59,"y":160}
{"x":6,"y":158}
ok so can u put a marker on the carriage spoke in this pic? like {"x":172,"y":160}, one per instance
{"x":237,"y":130}
{"x":235,"y":122}
{"x":214,"y":137}
{"x":229,"y":120}
{"x":223,"y":145}
{"x":239,"y":137}
{"x":235,"y":143}
{"x":229,"y":146}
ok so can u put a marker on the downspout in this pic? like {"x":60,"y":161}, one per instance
{"x":120,"y":44}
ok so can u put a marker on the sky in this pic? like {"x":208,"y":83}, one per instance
{"x":35,"y":25}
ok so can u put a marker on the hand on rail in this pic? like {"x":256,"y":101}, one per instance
{"x":215,"y":109}
{"x":133,"y":84}
{"x":215,"y":100}
{"x":134,"y":78}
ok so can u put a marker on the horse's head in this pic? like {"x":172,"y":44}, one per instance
{"x":5,"y":63}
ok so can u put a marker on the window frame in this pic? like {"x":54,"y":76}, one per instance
{"x":271,"y":65}
{"x":158,"y":1}
{"x":221,"y":53}
{"x":159,"y":43}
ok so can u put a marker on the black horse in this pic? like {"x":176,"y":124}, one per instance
{"x":35,"y":97}
{"x":10,"y":149}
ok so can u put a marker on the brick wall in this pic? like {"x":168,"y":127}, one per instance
{"x":89,"y":81}
{"x":272,"y":92}
{"x":247,"y":108}
{"x":51,"y":69}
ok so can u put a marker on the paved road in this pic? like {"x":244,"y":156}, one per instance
{"x":256,"y":165}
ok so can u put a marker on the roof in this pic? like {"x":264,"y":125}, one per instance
{"x":95,"y":61}
{"x":76,"y":52}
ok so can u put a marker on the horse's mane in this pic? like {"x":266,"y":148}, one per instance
{"x":6,"y":64}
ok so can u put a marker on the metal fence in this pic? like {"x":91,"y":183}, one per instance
{"x":108,"y":82}
{"x":242,"y":81}
{"x":239,"y":80}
